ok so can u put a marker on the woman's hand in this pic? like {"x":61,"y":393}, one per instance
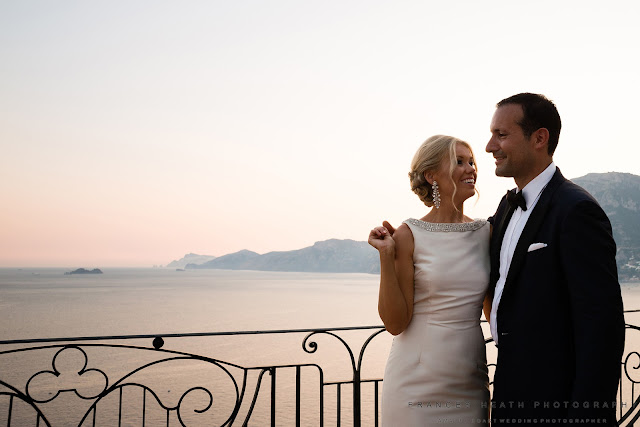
{"x":381,"y":239}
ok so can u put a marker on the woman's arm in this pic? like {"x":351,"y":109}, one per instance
{"x":395,"y":300}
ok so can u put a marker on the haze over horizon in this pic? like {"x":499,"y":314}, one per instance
{"x":133,"y":133}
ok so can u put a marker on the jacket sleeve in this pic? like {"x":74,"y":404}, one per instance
{"x":588,"y":259}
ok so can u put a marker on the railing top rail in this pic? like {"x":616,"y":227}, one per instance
{"x":183,"y":335}
{"x":201,"y":334}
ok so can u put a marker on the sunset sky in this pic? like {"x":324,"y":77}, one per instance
{"x":133,"y":132}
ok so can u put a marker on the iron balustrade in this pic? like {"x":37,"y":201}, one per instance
{"x":86,"y":381}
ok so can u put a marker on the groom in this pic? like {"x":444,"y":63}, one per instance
{"x":557,"y":315}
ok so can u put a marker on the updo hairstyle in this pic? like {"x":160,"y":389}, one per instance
{"x":429,"y":158}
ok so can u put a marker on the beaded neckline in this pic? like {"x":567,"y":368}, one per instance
{"x":440,"y":226}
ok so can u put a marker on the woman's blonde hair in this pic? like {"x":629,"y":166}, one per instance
{"x":428,"y":158}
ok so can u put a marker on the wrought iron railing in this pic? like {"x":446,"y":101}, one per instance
{"x":140,"y":380}
{"x":88,"y":381}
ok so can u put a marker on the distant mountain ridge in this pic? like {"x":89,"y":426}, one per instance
{"x":190,"y":258}
{"x":617,"y":193}
{"x":329,"y":256}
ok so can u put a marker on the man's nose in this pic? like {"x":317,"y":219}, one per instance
{"x":491,"y":146}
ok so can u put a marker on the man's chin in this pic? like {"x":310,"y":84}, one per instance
{"x":503,"y":173}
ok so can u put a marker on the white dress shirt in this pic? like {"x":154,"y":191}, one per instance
{"x":531,"y":193}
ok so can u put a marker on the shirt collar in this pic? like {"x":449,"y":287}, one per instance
{"x":531,"y":191}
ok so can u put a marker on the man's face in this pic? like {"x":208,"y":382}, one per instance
{"x":511,"y":149}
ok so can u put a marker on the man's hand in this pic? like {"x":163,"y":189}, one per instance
{"x":389,"y":227}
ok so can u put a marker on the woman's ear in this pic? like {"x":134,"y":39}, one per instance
{"x":429,"y":177}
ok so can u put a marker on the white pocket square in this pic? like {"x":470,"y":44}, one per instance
{"x":536,"y":246}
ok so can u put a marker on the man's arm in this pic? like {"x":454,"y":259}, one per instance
{"x":588,"y":258}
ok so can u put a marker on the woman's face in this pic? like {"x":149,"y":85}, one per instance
{"x":463,"y":177}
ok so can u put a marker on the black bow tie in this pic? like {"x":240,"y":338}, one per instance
{"x":516,"y":199}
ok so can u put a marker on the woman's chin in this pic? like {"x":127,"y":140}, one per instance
{"x":468,"y":194}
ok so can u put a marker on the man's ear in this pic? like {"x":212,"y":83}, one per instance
{"x":541,"y":139}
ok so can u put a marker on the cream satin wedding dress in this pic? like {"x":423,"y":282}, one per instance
{"x":437,"y":370}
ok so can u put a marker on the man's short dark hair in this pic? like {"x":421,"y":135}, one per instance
{"x":539,"y":112}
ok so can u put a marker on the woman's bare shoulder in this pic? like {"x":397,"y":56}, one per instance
{"x":403,"y":235}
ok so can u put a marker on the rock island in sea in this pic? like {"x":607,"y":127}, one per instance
{"x":85,"y":271}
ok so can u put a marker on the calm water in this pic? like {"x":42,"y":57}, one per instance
{"x":44,"y":303}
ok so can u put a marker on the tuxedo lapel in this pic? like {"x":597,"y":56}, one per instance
{"x":533,"y":225}
{"x":502,"y":217}
{"x":504,"y":222}
{"x":503,"y":214}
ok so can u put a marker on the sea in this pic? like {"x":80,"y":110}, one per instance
{"x":46,"y":303}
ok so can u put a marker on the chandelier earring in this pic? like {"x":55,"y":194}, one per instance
{"x":436,"y":194}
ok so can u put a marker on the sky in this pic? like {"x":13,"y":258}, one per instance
{"x":134,"y":132}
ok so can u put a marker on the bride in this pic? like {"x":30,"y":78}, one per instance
{"x":434,"y":274}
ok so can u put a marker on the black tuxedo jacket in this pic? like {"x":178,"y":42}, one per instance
{"x":560,"y":318}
